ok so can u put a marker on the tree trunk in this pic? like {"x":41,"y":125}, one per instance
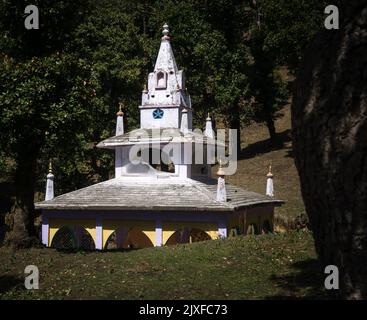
{"x":271,"y":128}
{"x":20,"y":221}
{"x":235,"y":123}
{"x":329,"y":129}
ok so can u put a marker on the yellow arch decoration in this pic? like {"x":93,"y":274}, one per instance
{"x":147,"y":227}
{"x":55,"y":224}
{"x":169,"y":228}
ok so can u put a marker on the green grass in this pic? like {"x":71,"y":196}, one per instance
{"x":253,"y":267}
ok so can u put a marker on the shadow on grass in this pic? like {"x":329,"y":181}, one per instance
{"x":88,"y":251}
{"x":74,"y":251}
{"x":9,"y":282}
{"x":306,"y":282}
{"x":265,"y":146}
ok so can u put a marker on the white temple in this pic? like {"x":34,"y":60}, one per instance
{"x":161,"y":194}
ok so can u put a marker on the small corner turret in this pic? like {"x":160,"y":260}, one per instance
{"x":120,"y":121}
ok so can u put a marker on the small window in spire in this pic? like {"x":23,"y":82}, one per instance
{"x":161,"y":80}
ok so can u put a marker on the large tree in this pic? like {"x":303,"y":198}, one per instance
{"x":46,"y":99}
{"x":279,"y":33}
{"x":329,"y":120}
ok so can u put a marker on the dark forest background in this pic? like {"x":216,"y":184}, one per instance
{"x":60,"y":85}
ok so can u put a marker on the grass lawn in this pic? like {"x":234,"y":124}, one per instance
{"x":253,"y":267}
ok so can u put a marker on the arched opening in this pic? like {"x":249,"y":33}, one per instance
{"x":85,"y":240}
{"x":64,"y":238}
{"x":161,"y":79}
{"x":252,"y":229}
{"x":187,"y":235}
{"x":72,"y":237}
{"x":160,"y":160}
{"x":111,"y":242}
{"x":116,"y":239}
{"x":179,"y":236}
{"x":266,"y":227}
{"x":197,"y":235}
{"x":137,"y":239}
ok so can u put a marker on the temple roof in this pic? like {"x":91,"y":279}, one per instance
{"x":158,"y":194}
{"x":162,"y":135}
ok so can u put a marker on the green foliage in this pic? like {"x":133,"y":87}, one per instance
{"x":47,"y":105}
{"x":279,"y":33}
{"x":60,"y":85}
{"x":111,"y":41}
{"x":288,"y":27}
{"x":57,"y":20}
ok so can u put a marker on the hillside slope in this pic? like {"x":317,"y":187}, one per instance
{"x":252,"y":267}
{"x":258,"y":153}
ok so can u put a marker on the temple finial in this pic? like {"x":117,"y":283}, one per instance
{"x":270,"y":174}
{"x":50,"y":167}
{"x":120,"y":113}
{"x":220,"y":171}
{"x":165,"y":32}
{"x":120,"y":120}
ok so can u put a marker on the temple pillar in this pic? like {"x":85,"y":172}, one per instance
{"x":222,"y":229}
{"x":99,"y":233}
{"x":158,"y":233}
{"x":45,"y":230}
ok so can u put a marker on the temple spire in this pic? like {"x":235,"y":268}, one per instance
{"x":120,"y":121}
{"x":164,"y":99}
{"x":50,"y":183}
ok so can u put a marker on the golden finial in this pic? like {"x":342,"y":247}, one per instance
{"x":145,"y":90}
{"x":120,"y":113}
{"x":165,"y":32}
{"x":220,"y":171}
{"x":208,"y":117}
{"x":270,"y":175}
{"x":50,"y":167}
